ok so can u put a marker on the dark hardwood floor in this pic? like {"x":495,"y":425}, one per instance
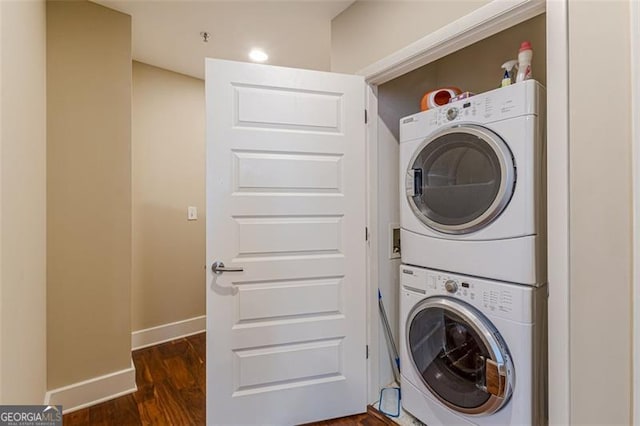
{"x":171,"y":391}
{"x":372,"y":417}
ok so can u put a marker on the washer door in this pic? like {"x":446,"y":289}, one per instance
{"x":460,"y":179}
{"x":460,"y":356}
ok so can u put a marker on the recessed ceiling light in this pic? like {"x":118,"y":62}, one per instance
{"x":258,"y":55}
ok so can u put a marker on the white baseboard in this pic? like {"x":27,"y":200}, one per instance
{"x":93,"y":391}
{"x":100,"y":389}
{"x":167,"y":332}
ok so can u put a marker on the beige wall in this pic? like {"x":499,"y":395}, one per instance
{"x":22,"y":203}
{"x":168,"y":174}
{"x":88,"y":190}
{"x":369,"y":30}
{"x":478,"y":65}
{"x":600,"y":222}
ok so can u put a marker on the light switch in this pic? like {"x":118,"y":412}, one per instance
{"x":192,"y":213}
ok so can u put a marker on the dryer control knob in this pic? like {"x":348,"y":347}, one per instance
{"x":452,"y":113}
{"x":451,"y":286}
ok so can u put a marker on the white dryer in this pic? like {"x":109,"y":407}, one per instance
{"x":473,"y":186}
{"x":472,"y":351}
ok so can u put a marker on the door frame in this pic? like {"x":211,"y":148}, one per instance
{"x":635,"y":169}
{"x":371,"y":182}
{"x":485,"y":21}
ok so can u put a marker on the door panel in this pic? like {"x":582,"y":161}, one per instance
{"x":260,"y":236}
{"x":272,"y":172}
{"x":280,"y":299}
{"x":288,"y":109}
{"x":286,"y":202}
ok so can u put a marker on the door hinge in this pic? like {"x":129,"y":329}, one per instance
{"x":367,"y":351}
{"x":366,"y":118}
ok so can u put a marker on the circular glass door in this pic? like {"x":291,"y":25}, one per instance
{"x":460,"y":179}
{"x":460,"y":356}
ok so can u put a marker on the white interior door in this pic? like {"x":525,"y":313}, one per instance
{"x":286,"y":203}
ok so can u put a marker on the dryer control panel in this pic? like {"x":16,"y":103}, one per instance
{"x":510,"y":301}
{"x":499,"y":104}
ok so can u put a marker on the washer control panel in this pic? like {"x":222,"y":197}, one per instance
{"x":492,"y":298}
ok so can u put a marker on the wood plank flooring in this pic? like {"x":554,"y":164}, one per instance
{"x":171,"y":391}
{"x":372,"y":417}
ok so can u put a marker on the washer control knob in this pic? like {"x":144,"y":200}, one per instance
{"x":452,"y":113}
{"x":451,"y":286}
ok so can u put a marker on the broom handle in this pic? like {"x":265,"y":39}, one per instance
{"x":389,"y":336}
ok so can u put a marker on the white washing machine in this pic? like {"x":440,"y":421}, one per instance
{"x":472,"y":351}
{"x":473,"y":186}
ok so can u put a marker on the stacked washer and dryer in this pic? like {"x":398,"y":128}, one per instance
{"x":473,"y":275}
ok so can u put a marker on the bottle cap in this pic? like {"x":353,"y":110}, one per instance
{"x":525,"y":45}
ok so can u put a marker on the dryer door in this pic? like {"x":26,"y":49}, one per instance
{"x":459,"y":355}
{"x":460,"y":179}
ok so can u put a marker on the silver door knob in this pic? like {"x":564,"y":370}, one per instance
{"x":218,"y":268}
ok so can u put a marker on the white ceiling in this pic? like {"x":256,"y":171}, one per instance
{"x":166,"y":33}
